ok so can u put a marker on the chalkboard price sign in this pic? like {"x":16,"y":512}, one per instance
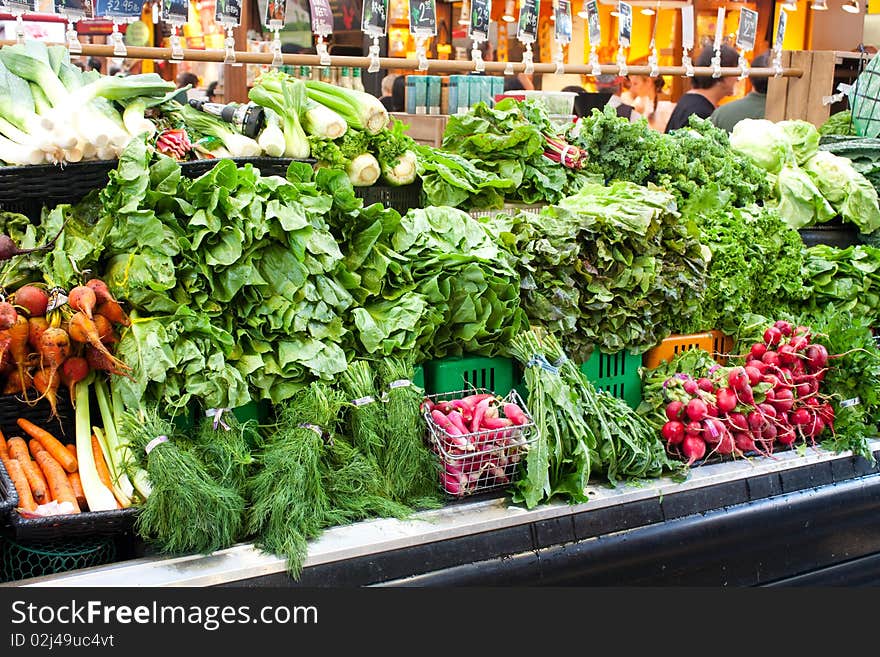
{"x":75,"y":8}
{"x":175,"y":11}
{"x":624,"y":23}
{"x":375,"y":17}
{"x":275,"y":12}
{"x":593,"y":22}
{"x":118,"y":9}
{"x":562,"y":29}
{"x":228,"y":12}
{"x":527,"y":27}
{"x":322,"y":17}
{"x":423,"y":17}
{"x":479,"y":27}
{"x":748,"y":29}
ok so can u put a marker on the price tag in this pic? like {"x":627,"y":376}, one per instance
{"x":687,"y":27}
{"x":17,"y":6}
{"x":562,"y":29}
{"x":175,"y":12}
{"x":479,"y":26}
{"x":423,"y":17}
{"x":275,"y":12}
{"x":527,"y":26}
{"x":748,"y":29}
{"x":375,"y":18}
{"x":228,"y":12}
{"x":75,"y":8}
{"x":624,"y":23}
{"x":120,"y":9}
{"x":780,"y":31}
{"x":719,"y":29}
{"x":595,"y":26}
{"x":322,"y":17}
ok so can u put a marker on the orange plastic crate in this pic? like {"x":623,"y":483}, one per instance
{"x":721,"y":346}
{"x":670,"y":347}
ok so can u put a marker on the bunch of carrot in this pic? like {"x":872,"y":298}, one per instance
{"x":41,"y":349}
{"x":45,"y":471}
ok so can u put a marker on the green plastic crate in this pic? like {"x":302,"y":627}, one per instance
{"x":254,"y":410}
{"x":465,"y":372}
{"x":419,"y":376}
{"x":617,"y":374}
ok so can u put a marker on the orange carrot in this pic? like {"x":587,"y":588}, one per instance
{"x":76,"y":482}
{"x":82,"y":329}
{"x":50,"y":443}
{"x":59,"y":484}
{"x":35,"y":446}
{"x":101,"y":466}
{"x":39,"y":486}
{"x":18,"y":347}
{"x":19,"y":480}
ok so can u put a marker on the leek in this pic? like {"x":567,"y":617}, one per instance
{"x":19,"y":154}
{"x":359,"y":109}
{"x":135,"y":122}
{"x":119,"y":458}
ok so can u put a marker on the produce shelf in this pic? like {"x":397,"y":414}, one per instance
{"x":649,"y":533}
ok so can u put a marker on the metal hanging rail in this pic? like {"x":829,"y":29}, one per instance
{"x":434,"y":65}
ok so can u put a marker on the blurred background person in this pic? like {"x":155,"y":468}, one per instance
{"x":386,"y":87}
{"x":644,"y":95}
{"x":752,"y":106}
{"x":707,"y":92}
{"x":613,"y":84}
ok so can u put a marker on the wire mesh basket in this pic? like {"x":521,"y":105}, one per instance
{"x":479,"y":461}
{"x":23,"y":560}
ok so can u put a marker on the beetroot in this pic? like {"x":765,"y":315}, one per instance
{"x":8,"y":315}
{"x":34,"y":300}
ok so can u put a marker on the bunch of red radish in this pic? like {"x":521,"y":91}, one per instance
{"x":774,"y":399}
{"x":41,"y":348}
{"x":480,"y":438}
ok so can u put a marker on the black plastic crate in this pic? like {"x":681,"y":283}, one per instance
{"x":60,"y":527}
{"x":53,"y":183}
{"x":8,"y":497}
{"x":402,"y":198}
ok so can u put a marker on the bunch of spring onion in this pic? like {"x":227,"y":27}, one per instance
{"x":50,"y":111}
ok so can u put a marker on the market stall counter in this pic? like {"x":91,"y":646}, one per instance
{"x":805,"y":517}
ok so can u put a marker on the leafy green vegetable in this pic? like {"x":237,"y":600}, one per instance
{"x":800,"y":201}
{"x":839,"y":123}
{"x":682,"y":163}
{"x":803,"y":138}
{"x":615,"y":267}
{"x":764,"y":143}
